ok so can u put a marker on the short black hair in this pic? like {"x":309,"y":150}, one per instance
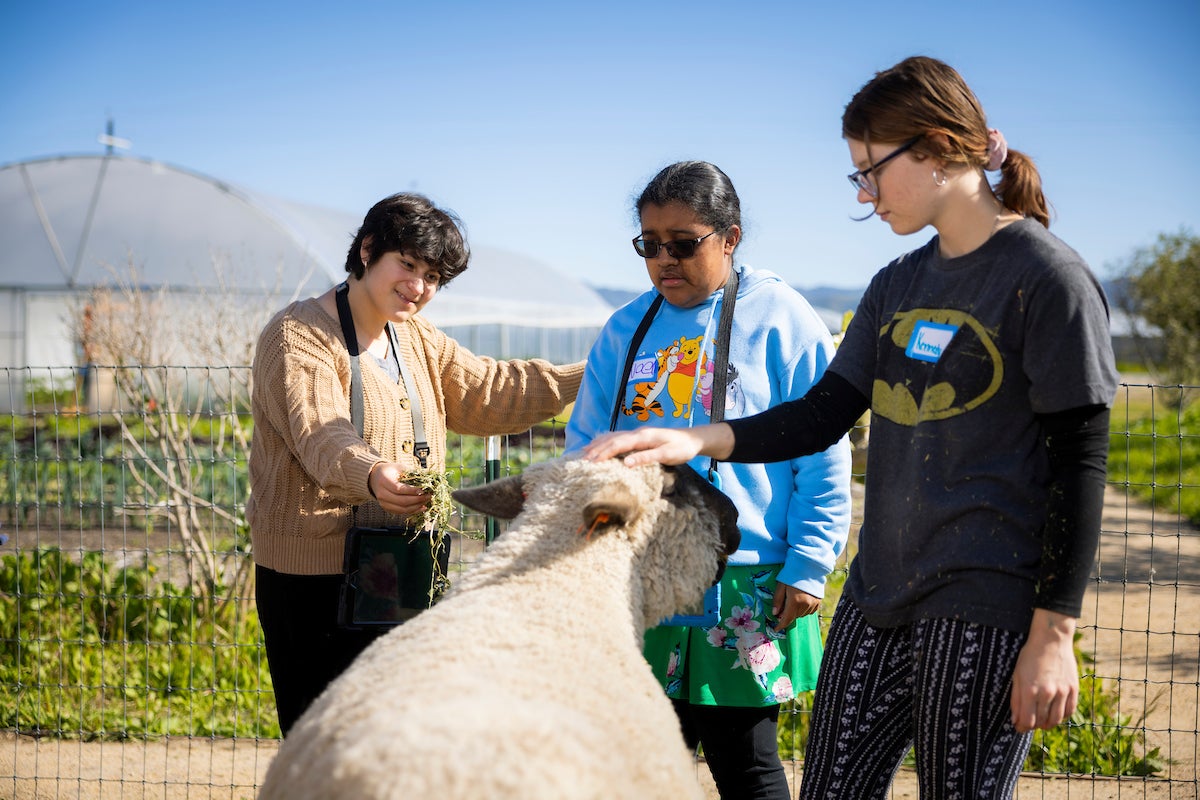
{"x":411,"y":224}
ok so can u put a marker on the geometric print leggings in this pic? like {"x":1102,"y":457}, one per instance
{"x":939,"y":686}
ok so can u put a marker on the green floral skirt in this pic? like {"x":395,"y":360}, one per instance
{"x":740,"y":661}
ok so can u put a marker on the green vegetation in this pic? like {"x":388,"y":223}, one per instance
{"x":90,"y":651}
{"x":1097,"y":739}
{"x":1155,"y":451}
{"x":1161,"y":288}
{"x":79,"y":470}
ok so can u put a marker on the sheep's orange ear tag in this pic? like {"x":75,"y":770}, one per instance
{"x":606,"y":511}
{"x":599,"y":519}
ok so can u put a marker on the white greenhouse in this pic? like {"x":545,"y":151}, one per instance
{"x":73,"y":223}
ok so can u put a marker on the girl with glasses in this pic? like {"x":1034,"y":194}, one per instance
{"x":667,"y":358}
{"x":985,"y":359}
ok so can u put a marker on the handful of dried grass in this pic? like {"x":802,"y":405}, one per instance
{"x":438,"y":513}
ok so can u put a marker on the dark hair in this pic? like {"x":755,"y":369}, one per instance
{"x":700,"y":186}
{"x":409,"y":223}
{"x":922,"y":97}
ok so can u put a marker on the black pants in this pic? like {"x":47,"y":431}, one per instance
{"x":305,"y":648}
{"x":740,"y":746}
{"x":941,"y":686}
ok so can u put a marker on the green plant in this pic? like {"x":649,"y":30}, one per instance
{"x":1097,"y":739}
{"x":95,"y":652}
{"x":1160,"y":289}
{"x":1157,"y":456}
{"x":55,"y":392}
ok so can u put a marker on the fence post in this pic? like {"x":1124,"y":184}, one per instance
{"x":491,"y":471}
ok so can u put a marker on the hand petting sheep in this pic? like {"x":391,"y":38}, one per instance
{"x":527,"y":680}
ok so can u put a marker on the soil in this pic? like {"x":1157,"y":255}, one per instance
{"x":1140,"y":623}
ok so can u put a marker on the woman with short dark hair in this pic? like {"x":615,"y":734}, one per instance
{"x":311,"y":472}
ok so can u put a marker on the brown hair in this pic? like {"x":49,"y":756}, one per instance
{"x":922,"y":97}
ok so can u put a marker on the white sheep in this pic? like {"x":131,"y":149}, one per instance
{"x":527,"y":680}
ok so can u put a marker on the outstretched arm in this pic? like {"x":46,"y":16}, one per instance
{"x":789,"y":430}
{"x":663,"y":445}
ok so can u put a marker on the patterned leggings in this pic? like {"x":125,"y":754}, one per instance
{"x":938,"y":685}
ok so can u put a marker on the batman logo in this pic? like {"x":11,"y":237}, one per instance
{"x":966,"y":374}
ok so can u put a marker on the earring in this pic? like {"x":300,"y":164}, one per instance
{"x":939,"y":181}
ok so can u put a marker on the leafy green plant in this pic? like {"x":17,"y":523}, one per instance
{"x":1097,"y":739}
{"x":91,"y":651}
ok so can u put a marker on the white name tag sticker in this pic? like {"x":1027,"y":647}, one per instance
{"x":643,"y":370}
{"x":929,"y":340}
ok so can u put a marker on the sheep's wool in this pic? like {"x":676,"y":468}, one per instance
{"x":527,"y":679}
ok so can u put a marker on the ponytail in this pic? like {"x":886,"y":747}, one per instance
{"x":1020,"y":188}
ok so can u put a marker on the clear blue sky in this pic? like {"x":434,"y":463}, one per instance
{"x":539,"y":122}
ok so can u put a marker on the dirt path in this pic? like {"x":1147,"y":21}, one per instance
{"x":1141,"y":623}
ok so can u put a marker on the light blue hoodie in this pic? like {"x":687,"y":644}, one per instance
{"x":795,"y":513}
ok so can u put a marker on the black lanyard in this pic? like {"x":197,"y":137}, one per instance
{"x":720,"y":356}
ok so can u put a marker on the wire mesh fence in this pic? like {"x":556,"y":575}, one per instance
{"x":131,"y":661}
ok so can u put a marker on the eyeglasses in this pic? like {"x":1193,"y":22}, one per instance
{"x":678,"y":248}
{"x":860,"y":180}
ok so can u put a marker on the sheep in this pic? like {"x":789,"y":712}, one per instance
{"x":527,"y":679}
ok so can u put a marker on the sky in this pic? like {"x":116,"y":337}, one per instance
{"x":538,"y":123}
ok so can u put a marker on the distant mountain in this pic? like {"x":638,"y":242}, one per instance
{"x":616,"y":297}
{"x":832,"y":298}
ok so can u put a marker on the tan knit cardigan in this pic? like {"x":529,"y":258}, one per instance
{"x":307,"y":464}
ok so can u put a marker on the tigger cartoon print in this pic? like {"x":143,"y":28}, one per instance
{"x":926,"y":334}
{"x":643,"y":405}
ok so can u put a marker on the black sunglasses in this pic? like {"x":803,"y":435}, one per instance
{"x":861,"y":179}
{"x":677,"y":248}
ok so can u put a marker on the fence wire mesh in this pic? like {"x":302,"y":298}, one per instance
{"x":131,"y":661}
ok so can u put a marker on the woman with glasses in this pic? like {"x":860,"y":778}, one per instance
{"x":320,"y":462}
{"x":985,"y":359}
{"x":712,"y":328}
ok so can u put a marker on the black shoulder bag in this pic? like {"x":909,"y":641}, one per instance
{"x":712,"y":598}
{"x":390,"y":574}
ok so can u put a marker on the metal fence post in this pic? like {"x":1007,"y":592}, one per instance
{"x":491,"y":471}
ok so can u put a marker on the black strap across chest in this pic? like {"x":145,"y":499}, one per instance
{"x":720,"y":355}
{"x":421,"y":446}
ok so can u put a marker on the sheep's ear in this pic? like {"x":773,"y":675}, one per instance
{"x":504,"y":498}
{"x":608,"y":509}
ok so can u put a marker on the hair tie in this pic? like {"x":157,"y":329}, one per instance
{"x":997,"y":150}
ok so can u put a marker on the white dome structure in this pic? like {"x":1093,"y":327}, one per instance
{"x":72,"y":223}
